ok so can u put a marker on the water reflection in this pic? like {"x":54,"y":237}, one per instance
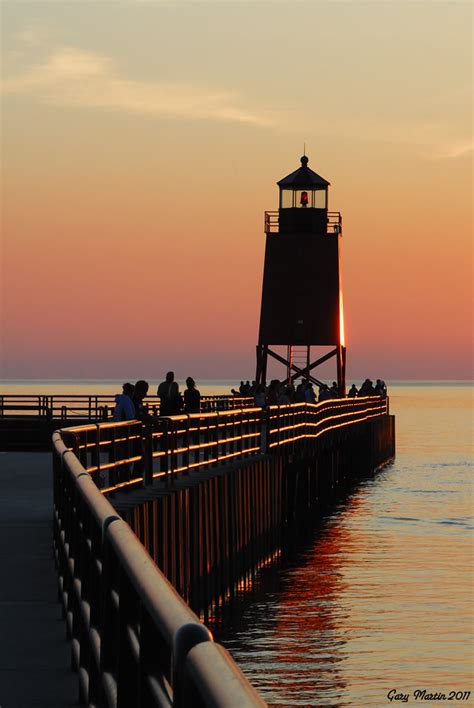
{"x":380,"y":595}
{"x":289,"y":631}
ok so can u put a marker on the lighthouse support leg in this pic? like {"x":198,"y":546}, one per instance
{"x":262,"y":356}
{"x":341,"y":370}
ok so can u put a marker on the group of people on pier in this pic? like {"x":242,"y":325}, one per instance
{"x":129,"y":405}
{"x":280,"y":392}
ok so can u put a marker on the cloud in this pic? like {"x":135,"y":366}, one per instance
{"x":458,"y":150}
{"x":73,"y":77}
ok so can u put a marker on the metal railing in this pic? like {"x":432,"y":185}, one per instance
{"x":99,"y":407}
{"x":334,"y":222}
{"x":135,"y":642}
{"x":305,"y":421}
{"x":132,"y":454}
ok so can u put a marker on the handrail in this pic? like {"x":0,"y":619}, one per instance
{"x":95,"y":407}
{"x":131,"y":631}
{"x":132,"y":634}
{"x":333,"y":222}
{"x":289,"y":423}
{"x":132,"y":454}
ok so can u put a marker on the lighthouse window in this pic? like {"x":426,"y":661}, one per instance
{"x":320,"y":201}
{"x":286,"y":198}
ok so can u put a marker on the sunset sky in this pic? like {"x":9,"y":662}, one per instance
{"x":141,"y":144}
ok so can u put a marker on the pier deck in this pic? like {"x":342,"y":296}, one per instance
{"x":34,"y":652}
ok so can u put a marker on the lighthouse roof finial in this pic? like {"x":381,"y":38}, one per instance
{"x":303,"y":178}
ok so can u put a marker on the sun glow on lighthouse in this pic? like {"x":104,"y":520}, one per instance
{"x":342,"y":338}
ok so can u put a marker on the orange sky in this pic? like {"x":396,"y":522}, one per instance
{"x":141,"y":144}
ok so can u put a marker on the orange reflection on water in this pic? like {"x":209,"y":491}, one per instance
{"x":383,"y":597}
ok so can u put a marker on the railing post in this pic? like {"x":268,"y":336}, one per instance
{"x":263,"y":430}
{"x":147,"y":454}
{"x":187,"y":441}
{"x":216,"y":439}
{"x":164,"y":460}
{"x":187,"y":637}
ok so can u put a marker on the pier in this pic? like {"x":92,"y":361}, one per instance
{"x":155,"y":524}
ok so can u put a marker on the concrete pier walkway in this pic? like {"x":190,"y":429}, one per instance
{"x":35,"y":656}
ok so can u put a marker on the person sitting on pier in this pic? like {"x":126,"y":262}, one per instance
{"x":192,"y":397}
{"x":352,"y":391}
{"x":170,"y":399}
{"x":124,"y":407}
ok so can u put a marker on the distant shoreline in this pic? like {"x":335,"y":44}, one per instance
{"x":233,"y":382}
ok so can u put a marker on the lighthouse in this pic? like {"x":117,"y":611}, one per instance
{"x":302,"y":307}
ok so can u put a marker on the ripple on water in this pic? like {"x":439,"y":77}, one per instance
{"x":381,"y":597}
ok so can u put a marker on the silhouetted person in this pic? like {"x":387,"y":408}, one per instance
{"x":290,"y":392}
{"x":192,"y":397}
{"x":124,"y":407}
{"x":380,"y":389}
{"x":367,"y":389}
{"x":170,"y":400}
{"x":141,"y":413}
{"x":352,"y":391}
{"x":299,"y":393}
{"x":324,"y":393}
{"x":273,"y":392}
{"x":141,"y":390}
{"x":309,"y":396}
{"x":260,"y":396}
{"x":334,"y":390}
{"x":283,"y":398}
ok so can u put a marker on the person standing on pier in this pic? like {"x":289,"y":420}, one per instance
{"x":141,"y":390}
{"x":192,"y":397}
{"x":170,"y":399}
{"x":353,"y":391}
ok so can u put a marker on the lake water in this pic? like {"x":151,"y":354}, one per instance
{"x":379,"y":597}
{"x":377,"y":600}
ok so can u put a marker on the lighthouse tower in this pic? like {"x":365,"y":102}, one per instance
{"x":301,"y":294}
